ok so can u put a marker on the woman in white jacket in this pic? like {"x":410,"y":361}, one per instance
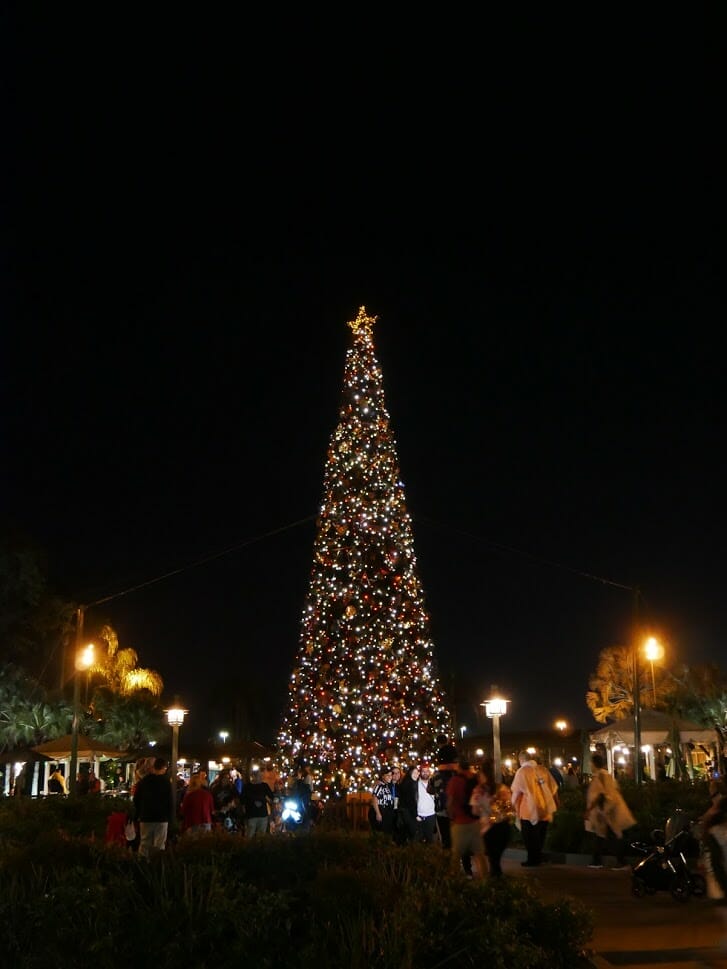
{"x":607,"y":814}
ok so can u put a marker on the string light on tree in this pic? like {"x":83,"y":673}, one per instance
{"x":365,"y":687}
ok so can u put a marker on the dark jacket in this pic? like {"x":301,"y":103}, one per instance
{"x":257,"y":796}
{"x":408,"y":794}
{"x":153,"y":798}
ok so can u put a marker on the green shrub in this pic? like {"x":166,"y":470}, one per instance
{"x":323,"y":901}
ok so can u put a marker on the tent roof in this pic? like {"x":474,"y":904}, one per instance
{"x":88,"y":749}
{"x":656,"y":728}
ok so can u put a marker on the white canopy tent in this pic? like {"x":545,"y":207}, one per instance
{"x":658,"y":730}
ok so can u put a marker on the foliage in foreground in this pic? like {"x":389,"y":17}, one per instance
{"x":323,"y":901}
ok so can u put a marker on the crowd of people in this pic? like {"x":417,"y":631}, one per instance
{"x":469,"y":810}
{"x":230,"y":803}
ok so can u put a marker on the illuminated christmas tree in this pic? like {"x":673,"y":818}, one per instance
{"x":365,"y":686}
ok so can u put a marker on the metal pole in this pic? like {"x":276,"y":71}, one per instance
{"x":496,"y":748}
{"x":73,"y":768}
{"x":173,"y":771}
{"x":637,"y":693}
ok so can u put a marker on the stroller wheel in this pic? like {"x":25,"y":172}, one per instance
{"x":680,"y":889}
{"x":638,"y":887}
{"x":699,"y":885}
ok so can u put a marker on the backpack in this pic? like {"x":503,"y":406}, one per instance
{"x":438,"y":790}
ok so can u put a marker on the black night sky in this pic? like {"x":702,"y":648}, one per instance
{"x":195,"y":208}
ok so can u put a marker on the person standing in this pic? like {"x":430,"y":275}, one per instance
{"x":426,"y":816}
{"x":570,"y":780}
{"x":607,"y":814}
{"x":534,"y":796}
{"x":381,"y":811}
{"x":258,"y":799}
{"x":446,"y":768}
{"x":196,"y":807}
{"x":464,"y":826}
{"x":153,"y":806}
{"x":395,"y":784}
{"x":491,"y":803}
{"x":300,"y":792}
{"x":57,"y":782}
{"x":406,"y":829}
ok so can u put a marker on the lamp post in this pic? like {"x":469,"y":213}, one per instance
{"x":175,"y":719}
{"x":224,"y":734}
{"x":653,"y":650}
{"x":82,"y":661}
{"x":495,"y":708}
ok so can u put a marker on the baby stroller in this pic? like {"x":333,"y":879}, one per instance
{"x":663,"y":866}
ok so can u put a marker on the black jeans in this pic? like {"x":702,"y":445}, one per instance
{"x":601,"y":848}
{"x":496,"y":839}
{"x":534,"y":839}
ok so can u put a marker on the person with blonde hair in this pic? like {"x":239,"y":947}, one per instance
{"x":197,"y":807}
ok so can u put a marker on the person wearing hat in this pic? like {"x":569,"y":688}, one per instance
{"x":381,"y":811}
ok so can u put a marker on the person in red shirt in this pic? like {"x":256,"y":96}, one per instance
{"x":464,"y":826}
{"x":197,"y":807}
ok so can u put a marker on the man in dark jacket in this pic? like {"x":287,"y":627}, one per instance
{"x":153,"y":805}
{"x":406,"y":829}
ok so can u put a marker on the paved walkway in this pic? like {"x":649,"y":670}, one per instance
{"x":629,"y":932}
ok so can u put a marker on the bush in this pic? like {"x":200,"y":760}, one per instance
{"x":325,"y":900}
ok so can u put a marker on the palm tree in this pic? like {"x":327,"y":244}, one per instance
{"x":119,"y":668}
{"x":610,"y":696}
{"x":127,"y":722}
{"x":611,"y":693}
{"x":26,"y":717}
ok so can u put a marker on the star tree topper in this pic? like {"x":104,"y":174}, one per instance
{"x":363,"y":323}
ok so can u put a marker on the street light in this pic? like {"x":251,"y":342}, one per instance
{"x":83,"y":659}
{"x":495,"y":708}
{"x":175,"y":719}
{"x":462,"y":731}
{"x":224,"y":735}
{"x":653,"y":650}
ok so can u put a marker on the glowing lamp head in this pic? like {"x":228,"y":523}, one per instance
{"x":653,"y":650}
{"x":84,"y":659}
{"x":495,"y":707}
{"x":175,"y":716}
